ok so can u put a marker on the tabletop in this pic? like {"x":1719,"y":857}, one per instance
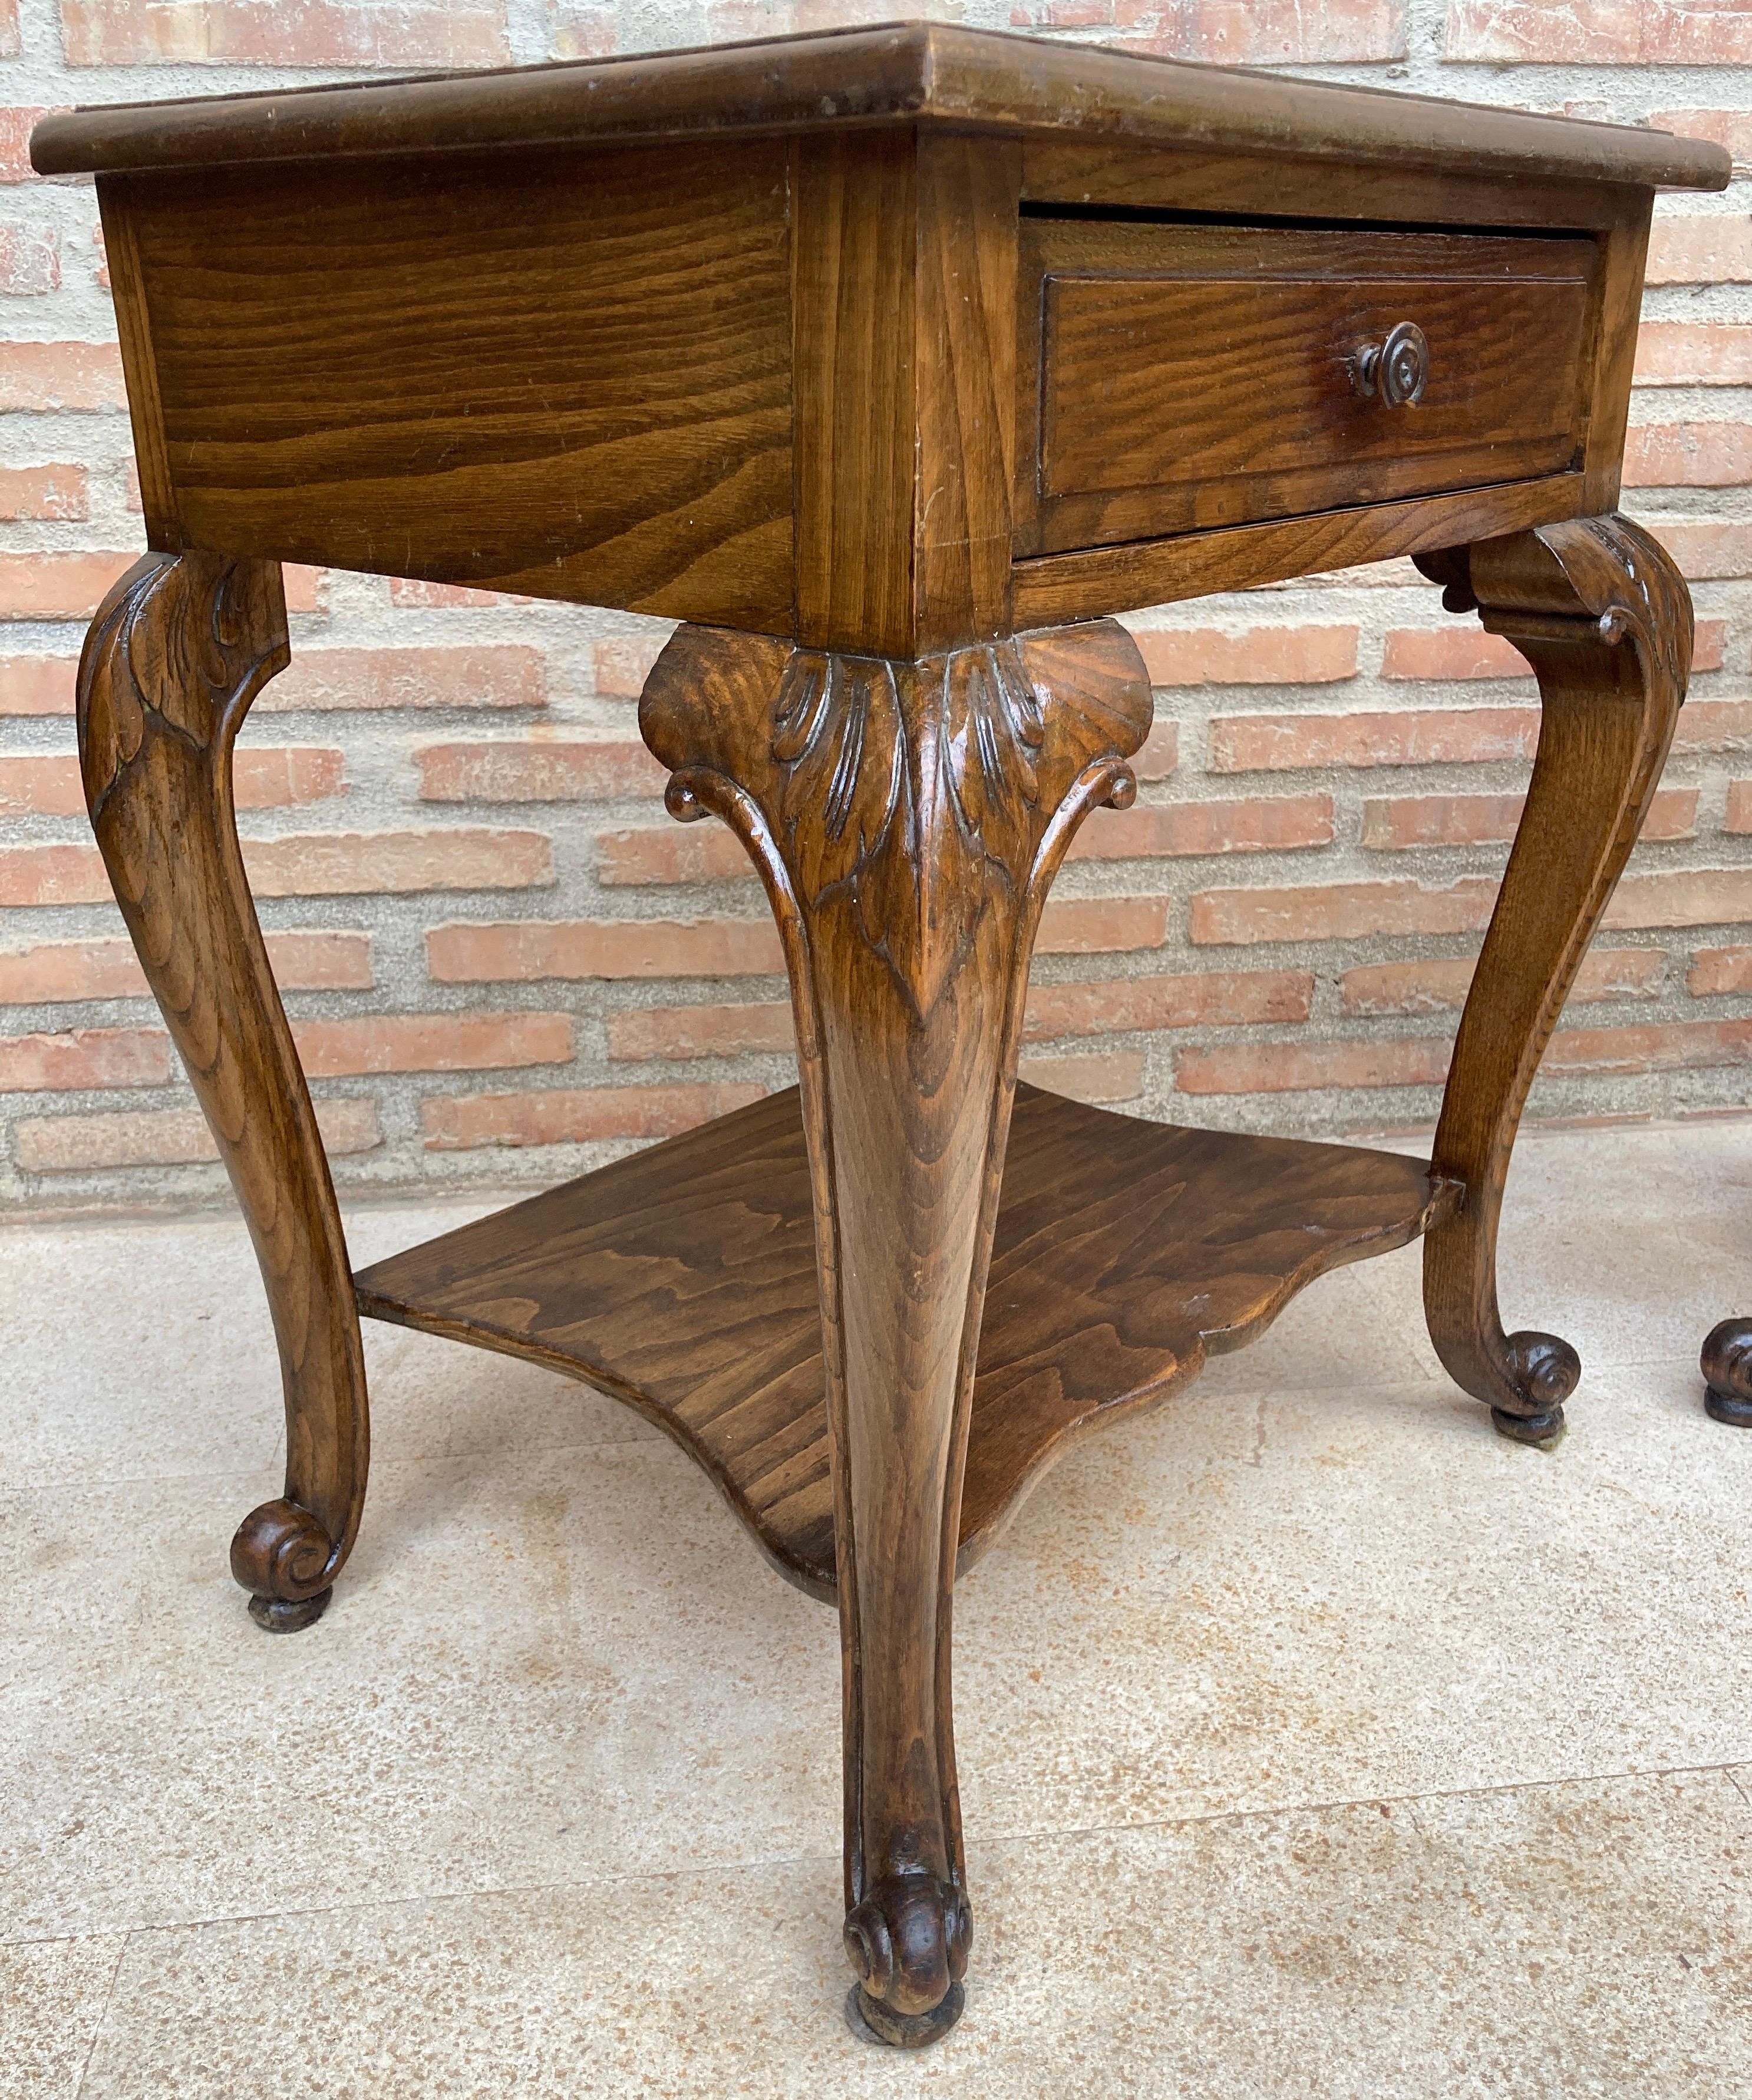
{"x":926,"y":72}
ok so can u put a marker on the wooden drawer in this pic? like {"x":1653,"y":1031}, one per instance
{"x":1179,"y":376}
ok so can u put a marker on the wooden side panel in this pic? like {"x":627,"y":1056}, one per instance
{"x":164,"y":530}
{"x":553,"y":372}
{"x":1612,"y":348}
{"x":967,"y":260}
{"x":856,"y":383}
{"x":905,"y":275}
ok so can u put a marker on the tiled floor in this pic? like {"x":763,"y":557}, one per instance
{"x":1314,"y":1741}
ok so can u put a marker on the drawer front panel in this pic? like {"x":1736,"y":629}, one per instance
{"x":1196,"y":376}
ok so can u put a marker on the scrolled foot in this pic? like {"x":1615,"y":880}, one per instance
{"x":908,"y":1941}
{"x":1727,"y":1373}
{"x":276,"y":1615}
{"x":1545,"y":1371}
{"x":1544,"y":1430}
{"x":872,"y":2021}
{"x":287,"y":1560}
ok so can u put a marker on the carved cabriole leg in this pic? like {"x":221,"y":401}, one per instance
{"x":907,"y":819}
{"x":180,"y":648}
{"x":1599,"y":611}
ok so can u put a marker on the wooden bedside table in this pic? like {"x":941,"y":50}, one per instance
{"x":890,"y":363}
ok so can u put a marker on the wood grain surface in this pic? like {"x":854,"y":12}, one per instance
{"x":855,"y":215}
{"x":905,"y":386}
{"x":180,"y":648}
{"x":907,"y":817}
{"x":1204,"y":376}
{"x":683,"y":1280}
{"x":963,"y":537}
{"x":1598,"y":609}
{"x":933,"y":73}
{"x":1140,"y":572}
{"x":1609,"y":353}
{"x":1261,"y":186}
{"x":563,"y":374}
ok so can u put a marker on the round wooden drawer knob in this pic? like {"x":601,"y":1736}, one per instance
{"x":1394,"y":371}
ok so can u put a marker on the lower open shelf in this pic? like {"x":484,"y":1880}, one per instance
{"x":683,"y":1280}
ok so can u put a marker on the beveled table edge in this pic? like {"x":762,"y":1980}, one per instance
{"x":930,"y":73}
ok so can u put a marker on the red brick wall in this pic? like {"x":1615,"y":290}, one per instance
{"x":499,"y":956}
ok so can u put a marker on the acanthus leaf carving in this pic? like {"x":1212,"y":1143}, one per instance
{"x":913,"y":797}
{"x":913,"y":789}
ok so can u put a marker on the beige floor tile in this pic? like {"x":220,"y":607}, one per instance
{"x":133,"y":1352}
{"x":52,"y":1997}
{"x":1362,"y":1325}
{"x":561,"y":1663}
{"x":1660,"y":1866}
{"x":1629,"y":1243}
{"x":1248,"y":1604}
{"x":557,"y":1664}
{"x":138,"y":1351}
{"x":1579,"y":1941}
